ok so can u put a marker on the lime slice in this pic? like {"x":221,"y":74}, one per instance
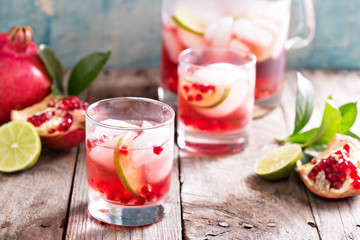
{"x":203,"y":96}
{"x":187,"y":20}
{"x":278,"y":163}
{"x":130,"y":176}
{"x":20,"y":146}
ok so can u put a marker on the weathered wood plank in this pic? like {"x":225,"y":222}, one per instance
{"x":225,"y":189}
{"x":142,"y":83}
{"x":335,"y":219}
{"x":33,"y":203}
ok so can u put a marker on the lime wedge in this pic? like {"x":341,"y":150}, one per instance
{"x":20,"y":146}
{"x":187,"y":20}
{"x":278,"y":163}
{"x":203,"y":96}
{"x":130,"y":176}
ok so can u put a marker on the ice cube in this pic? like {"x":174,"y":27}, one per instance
{"x":160,"y":165}
{"x":119,"y":123}
{"x":238,"y":45}
{"x":210,"y":30}
{"x":189,"y":39}
{"x":172,"y":44}
{"x":103,"y":156}
{"x":222,"y":34}
{"x":152,"y":137}
{"x":251,"y":32}
{"x":217,"y":74}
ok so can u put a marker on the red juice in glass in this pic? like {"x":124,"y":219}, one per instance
{"x":129,"y":151}
{"x":260,"y":27}
{"x":215,"y":100}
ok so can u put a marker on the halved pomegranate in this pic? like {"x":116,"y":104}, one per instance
{"x":60,"y":121}
{"x":335,"y":172}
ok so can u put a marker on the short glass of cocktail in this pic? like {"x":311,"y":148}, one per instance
{"x":215,"y":100}
{"x":129,"y":151}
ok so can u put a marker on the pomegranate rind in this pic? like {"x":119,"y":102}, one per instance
{"x":336,"y":143}
{"x":60,"y":141}
{"x":24,"y":79}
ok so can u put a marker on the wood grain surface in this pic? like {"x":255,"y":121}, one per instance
{"x":212,"y":197}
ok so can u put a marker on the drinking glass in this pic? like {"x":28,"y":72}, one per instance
{"x":215,"y":99}
{"x":129,"y":151}
{"x":257,"y":26}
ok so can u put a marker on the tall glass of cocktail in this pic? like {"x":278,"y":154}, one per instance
{"x":129,"y":152}
{"x":258,"y":26}
{"x":215,"y":99}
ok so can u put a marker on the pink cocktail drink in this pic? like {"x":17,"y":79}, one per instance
{"x":260,"y":27}
{"x":131,"y":173}
{"x":215,"y":100}
{"x":129,"y":150}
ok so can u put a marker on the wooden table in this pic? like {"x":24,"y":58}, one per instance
{"x":212,"y":198}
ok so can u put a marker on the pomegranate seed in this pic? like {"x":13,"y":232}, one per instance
{"x":51,"y":130}
{"x":136,"y":201}
{"x":341,"y":176}
{"x":314,"y":161}
{"x":157,"y":150}
{"x":198,"y":97}
{"x":332,"y":177}
{"x":312,"y":175}
{"x":347,"y":149}
{"x":322,"y":164}
{"x":186,"y":88}
{"x":335,"y":167}
{"x":146,"y":190}
{"x":211,"y":88}
{"x":85,"y":105}
{"x":151,"y":197}
{"x":124,"y":150}
{"x":202,"y":88}
{"x":65,"y":124}
{"x":195,"y":85}
{"x":336,"y":184}
{"x":328,"y":170}
{"x":355,"y":184}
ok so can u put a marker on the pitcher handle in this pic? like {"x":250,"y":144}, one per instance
{"x":307,"y":31}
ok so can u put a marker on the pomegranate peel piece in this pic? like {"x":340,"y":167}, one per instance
{"x":60,"y":121}
{"x":335,"y":172}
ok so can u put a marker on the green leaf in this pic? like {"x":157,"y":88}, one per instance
{"x":302,"y":138}
{"x":304,"y":103}
{"x":348,"y":115}
{"x":330,"y":125}
{"x":86,"y":71}
{"x":54,"y":68}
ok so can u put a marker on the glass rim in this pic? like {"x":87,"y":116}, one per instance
{"x":135,"y":99}
{"x":252,"y":61}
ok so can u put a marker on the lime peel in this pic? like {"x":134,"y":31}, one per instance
{"x":187,"y":20}
{"x":278,"y":163}
{"x":20,"y":146}
{"x":118,"y":160}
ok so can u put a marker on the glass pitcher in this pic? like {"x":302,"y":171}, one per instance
{"x":257,"y":26}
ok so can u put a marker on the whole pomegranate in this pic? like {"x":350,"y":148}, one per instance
{"x":23,"y":76}
{"x":60,"y":121}
{"x":335,"y":172}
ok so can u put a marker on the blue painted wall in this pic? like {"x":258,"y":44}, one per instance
{"x":131,"y":30}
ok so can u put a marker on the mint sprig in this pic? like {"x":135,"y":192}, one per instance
{"x":334,"y":120}
{"x":82,"y":75}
